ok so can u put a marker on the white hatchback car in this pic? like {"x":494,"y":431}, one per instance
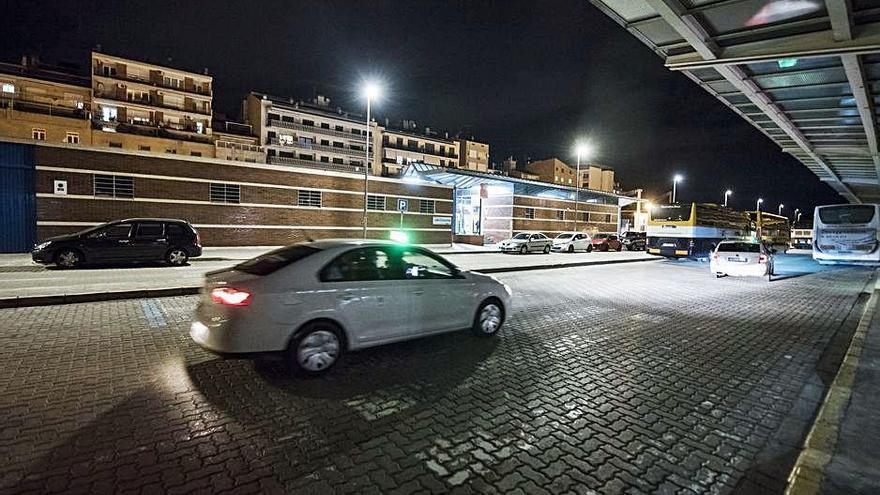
{"x":741,"y":258}
{"x":314,"y":301}
{"x":572,"y":241}
{"x":526,"y":242}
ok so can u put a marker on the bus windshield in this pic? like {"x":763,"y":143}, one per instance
{"x":846,"y":214}
{"x":671,"y":213}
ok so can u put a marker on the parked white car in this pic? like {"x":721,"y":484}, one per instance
{"x":317,"y":300}
{"x":526,"y":242}
{"x":741,"y":258}
{"x":572,"y":241}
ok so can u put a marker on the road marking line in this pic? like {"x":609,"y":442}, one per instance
{"x":808,"y":473}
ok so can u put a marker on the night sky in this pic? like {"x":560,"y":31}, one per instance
{"x":528,"y":77}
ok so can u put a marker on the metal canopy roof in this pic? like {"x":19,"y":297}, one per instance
{"x":804,"y":72}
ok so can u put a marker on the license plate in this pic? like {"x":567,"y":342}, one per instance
{"x":737,"y":260}
{"x":669,"y":245}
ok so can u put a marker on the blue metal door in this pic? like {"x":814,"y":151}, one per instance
{"x":18,"y":202}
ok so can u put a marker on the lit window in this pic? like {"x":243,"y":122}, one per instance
{"x":285,"y":139}
{"x":200,"y":127}
{"x":38,"y":134}
{"x":72,"y":138}
{"x":8,"y":88}
{"x":108,"y":114}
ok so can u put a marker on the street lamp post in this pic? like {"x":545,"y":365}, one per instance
{"x":758,"y":205}
{"x":675,"y":180}
{"x":779,"y":211}
{"x":726,"y":194}
{"x":370,"y":91}
{"x":797,"y":220}
{"x":795,"y":214}
{"x":580,"y":150}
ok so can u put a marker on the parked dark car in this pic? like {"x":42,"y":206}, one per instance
{"x":123,"y":241}
{"x":606,"y":242}
{"x":634,"y":241}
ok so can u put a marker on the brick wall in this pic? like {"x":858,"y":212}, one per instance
{"x":268,"y":213}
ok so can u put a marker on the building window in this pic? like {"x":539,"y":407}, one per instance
{"x":172,"y":82}
{"x":8,"y":88}
{"x":38,"y":134}
{"x":308,"y":197}
{"x":560,"y":214}
{"x":143,"y":148}
{"x":310,"y":123}
{"x":338,"y":161}
{"x":375,"y":202}
{"x":427,"y":206}
{"x":195,"y":153}
{"x":225,"y":193}
{"x":113,"y":186}
{"x":529,"y":213}
{"x":114,"y":144}
{"x":171,"y":151}
{"x":285,"y":139}
{"x":325,"y":125}
{"x":72,"y":138}
{"x":325,"y":159}
{"x":339,"y":128}
{"x":108,"y":70}
{"x":108,"y":114}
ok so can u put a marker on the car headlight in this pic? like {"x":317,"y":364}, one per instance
{"x":42,"y":245}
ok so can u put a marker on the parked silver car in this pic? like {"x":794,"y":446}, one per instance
{"x":314,"y":301}
{"x":526,"y":242}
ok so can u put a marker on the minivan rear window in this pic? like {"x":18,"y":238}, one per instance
{"x":739,"y":247}
{"x":846,"y":214}
{"x":272,"y":261}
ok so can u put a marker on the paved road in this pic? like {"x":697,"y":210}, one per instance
{"x":636,"y":378}
{"x":35,"y":280}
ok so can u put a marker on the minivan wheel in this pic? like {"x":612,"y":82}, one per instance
{"x":316,"y":348}
{"x":489,"y":318}
{"x":68,"y":258}
{"x":176,"y":257}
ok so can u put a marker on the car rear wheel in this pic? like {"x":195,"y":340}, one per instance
{"x":316,"y":348}
{"x":590,"y":248}
{"x":489,"y":318}
{"x":176,"y":257}
{"x":547,"y":249}
{"x":68,"y":258}
{"x":524,"y":249}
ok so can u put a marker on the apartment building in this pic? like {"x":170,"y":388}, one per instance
{"x":236,"y":141}
{"x":597,"y":177}
{"x":147,"y":107}
{"x":552,"y":170}
{"x":312,"y":134}
{"x":402,"y":147}
{"x":44,"y":103}
{"x":474,"y":155}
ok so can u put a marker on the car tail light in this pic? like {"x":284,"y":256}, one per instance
{"x":198,"y":238}
{"x":762,"y":258}
{"x":228,"y":296}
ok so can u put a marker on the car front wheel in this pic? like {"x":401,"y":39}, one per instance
{"x":176,"y":257}
{"x":571,"y":248}
{"x":590,"y":248}
{"x":524,"y":249}
{"x":489,"y":318}
{"x":316,"y":348}
{"x":68,"y":258}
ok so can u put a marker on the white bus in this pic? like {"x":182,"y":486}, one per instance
{"x":846,"y":234}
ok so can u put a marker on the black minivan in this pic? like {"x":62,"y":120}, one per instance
{"x":123,"y":241}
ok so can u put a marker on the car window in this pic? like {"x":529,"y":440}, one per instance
{"x":149,"y":231}
{"x":118,"y":231}
{"x":421,"y":265}
{"x":521,"y":236}
{"x":582,"y":236}
{"x":362,"y":264}
{"x":741,"y":247}
{"x":612,"y":238}
{"x":267,"y":263}
{"x":174,"y":230}
{"x":566,"y":236}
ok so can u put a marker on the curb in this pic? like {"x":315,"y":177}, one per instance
{"x":808,"y":472}
{"x":21,"y":302}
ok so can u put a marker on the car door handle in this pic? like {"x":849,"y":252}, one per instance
{"x":418,"y":292}
{"x":123,"y":241}
{"x":161,"y":240}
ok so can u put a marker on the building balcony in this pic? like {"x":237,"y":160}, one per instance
{"x":419,"y":149}
{"x":318,"y":147}
{"x":299,"y":162}
{"x":166,"y":130}
{"x":155,"y":84}
{"x":317,"y":130}
{"x":31,"y":106}
{"x":149,"y":102}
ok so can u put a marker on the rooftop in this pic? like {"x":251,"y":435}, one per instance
{"x":32,"y":67}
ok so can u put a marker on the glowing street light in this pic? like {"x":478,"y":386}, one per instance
{"x":795,"y":214}
{"x":758,"y":206}
{"x":371,"y":91}
{"x":581,"y":150}
{"x":779,"y":211}
{"x":797,"y":219}
{"x":675,"y":180}
{"x":726,"y":194}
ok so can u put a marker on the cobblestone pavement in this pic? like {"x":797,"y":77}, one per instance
{"x":649,"y":377}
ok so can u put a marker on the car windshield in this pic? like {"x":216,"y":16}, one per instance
{"x":671,"y":213}
{"x":521,"y":236}
{"x":92,"y":229}
{"x":739,"y":247}
{"x":564,"y":236}
{"x":267,"y":263}
{"x":600,"y":236}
